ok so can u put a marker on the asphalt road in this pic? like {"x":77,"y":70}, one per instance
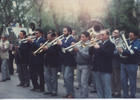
{"x":9,"y":90}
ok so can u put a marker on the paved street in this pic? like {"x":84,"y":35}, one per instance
{"x":9,"y":90}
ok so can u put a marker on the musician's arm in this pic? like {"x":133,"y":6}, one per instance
{"x":65,"y":45}
{"x":135,"y":49}
{"x":37,"y":45}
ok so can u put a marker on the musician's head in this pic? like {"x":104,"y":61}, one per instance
{"x":67,"y":31}
{"x":85,"y":36}
{"x":4,"y":37}
{"x":115,"y":33}
{"x":58,"y":33}
{"x":38,"y":33}
{"x":133,"y":35}
{"x":22,"y":34}
{"x":104,"y":35}
{"x":51,"y":36}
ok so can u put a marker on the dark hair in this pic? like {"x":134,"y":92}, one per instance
{"x":135,"y":33}
{"x":69,"y":29}
{"x":52,"y":30}
{"x":86,"y":33}
{"x":52,"y":34}
{"x":58,"y":33}
{"x":40,"y":30}
{"x":24,"y":33}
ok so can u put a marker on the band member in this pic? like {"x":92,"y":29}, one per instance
{"x":116,"y":66}
{"x":102,"y":65}
{"x":4,"y":54}
{"x":129,"y":65}
{"x":36,"y":64}
{"x":51,"y":66}
{"x":68,"y":62}
{"x":23,"y":61}
{"x":83,"y":65}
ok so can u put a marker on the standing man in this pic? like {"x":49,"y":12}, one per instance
{"x":23,"y":59}
{"x":4,"y":55}
{"x":68,"y":62}
{"x":36,"y":64}
{"x":102,"y":65}
{"x":83,"y":65}
{"x":51,"y":66}
{"x":116,"y":66}
{"x":129,"y":65}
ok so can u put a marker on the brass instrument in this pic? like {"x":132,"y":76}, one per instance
{"x":94,"y":27}
{"x":120,"y":42}
{"x":25,"y":39}
{"x":70,"y":48}
{"x":91,"y":42}
{"x":39,"y":50}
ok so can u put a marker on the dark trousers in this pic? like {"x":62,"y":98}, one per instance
{"x":37,"y":71}
{"x":11,"y":58}
{"x":23,"y":73}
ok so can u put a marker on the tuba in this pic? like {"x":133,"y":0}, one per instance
{"x":94,"y":27}
{"x":31,"y":27}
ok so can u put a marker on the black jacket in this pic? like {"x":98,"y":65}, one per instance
{"x":39,"y":58}
{"x":103,"y":58}
{"x":52,"y":56}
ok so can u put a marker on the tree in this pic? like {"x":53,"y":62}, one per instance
{"x":14,"y":9}
{"x":39,"y":4}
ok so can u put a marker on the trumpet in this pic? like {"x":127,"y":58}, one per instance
{"x":91,"y":43}
{"x":70,"y":48}
{"x":40,"y":48}
{"x":25,"y":40}
{"x":48,"y":44}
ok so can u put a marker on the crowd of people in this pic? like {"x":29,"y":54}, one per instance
{"x":108,"y":60}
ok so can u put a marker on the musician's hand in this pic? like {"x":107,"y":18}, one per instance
{"x":30,"y":40}
{"x":45,"y":48}
{"x":41,"y":44}
{"x":59,"y":42}
{"x":72,"y":43}
{"x":120,"y":49}
{"x":75,"y":49}
{"x":96,"y":46}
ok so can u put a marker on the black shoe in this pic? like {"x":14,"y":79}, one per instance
{"x":93,"y":91}
{"x":20,"y":84}
{"x":34,"y":89}
{"x":40,"y":90}
{"x":3,"y":80}
{"x":117,"y":94}
{"x":54,"y":94}
{"x":8,"y":78}
{"x":47,"y":93}
{"x":26,"y":85}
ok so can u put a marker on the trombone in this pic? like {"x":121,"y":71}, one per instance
{"x":48,"y":44}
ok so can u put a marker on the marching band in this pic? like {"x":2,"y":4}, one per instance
{"x":38,"y":58}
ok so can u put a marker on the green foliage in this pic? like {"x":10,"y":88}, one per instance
{"x":121,"y":16}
